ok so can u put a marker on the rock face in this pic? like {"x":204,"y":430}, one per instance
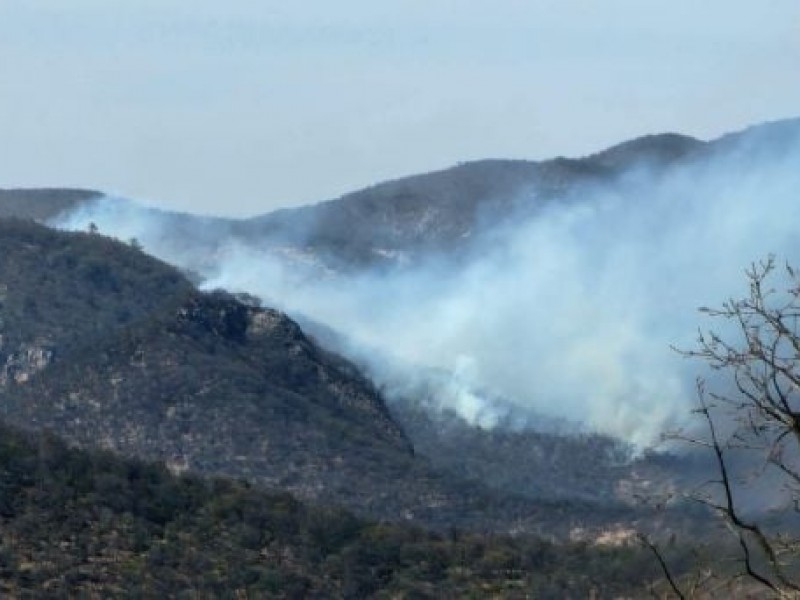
{"x":26,"y":361}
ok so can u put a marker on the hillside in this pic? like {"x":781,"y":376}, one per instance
{"x":443,"y":211}
{"x":110,"y":347}
{"x":122,"y":353}
{"x":76,"y":523}
{"x":60,"y":291}
{"x":220,"y":387}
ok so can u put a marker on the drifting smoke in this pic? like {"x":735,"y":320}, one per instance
{"x":570,"y":313}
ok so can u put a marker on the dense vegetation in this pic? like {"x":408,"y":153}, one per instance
{"x":65,"y":290}
{"x":524,"y":460}
{"x":73,"y":521}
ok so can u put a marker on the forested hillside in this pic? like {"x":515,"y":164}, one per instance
{"x":88,"y":523}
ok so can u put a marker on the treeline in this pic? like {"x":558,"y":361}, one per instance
{"x":79,"y":522}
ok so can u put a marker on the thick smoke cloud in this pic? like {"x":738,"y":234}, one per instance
{"x":570,"y":313}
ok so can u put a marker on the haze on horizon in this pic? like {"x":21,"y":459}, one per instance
{"x":242,"y":107}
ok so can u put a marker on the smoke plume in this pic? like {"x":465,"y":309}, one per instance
{"x":569,"y":313}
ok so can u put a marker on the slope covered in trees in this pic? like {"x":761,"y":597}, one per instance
{"x":75,"y":522}
{"x":111,"y":347}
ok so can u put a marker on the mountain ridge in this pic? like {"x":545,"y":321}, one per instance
{"x":666,"y":147}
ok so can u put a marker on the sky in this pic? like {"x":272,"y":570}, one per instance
{"x":240,"y":107}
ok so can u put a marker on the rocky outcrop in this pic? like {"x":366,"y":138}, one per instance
{"x":23,"y":363}
{"x":20,"y":363}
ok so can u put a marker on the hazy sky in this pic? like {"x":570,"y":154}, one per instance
{"x":238,"y":107}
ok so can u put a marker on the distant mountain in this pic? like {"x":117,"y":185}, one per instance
{"x":42,"y":204}
{"x":399,"y":222}
{"x":444,"y":210}
{"x":650,"y":151}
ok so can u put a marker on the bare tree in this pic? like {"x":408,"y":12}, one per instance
{"x":751,"y":426}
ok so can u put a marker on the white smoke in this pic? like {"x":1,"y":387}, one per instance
{"x":570,"y":313}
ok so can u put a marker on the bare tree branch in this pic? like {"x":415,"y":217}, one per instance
{"x":663,"y":563}
{"x":759,"y":350}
